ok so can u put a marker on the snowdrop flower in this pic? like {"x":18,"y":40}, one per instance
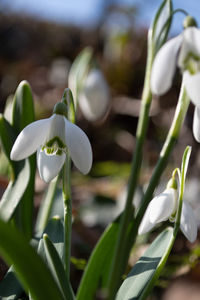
{"x":52,"y":138}
{"x":182,"y":51}
{"x":94,"y":96}
{"x":164,"y":207}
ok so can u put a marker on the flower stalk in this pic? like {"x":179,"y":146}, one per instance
{"x":117,"y":267}
{"x":179,"y":117}
{"x":67,"y":203}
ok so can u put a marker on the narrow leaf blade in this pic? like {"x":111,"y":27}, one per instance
{"x":143,"y":271}
{"x":57,"y":268}
{"x":10,"y":288}
{"x":14,"y":192}
{"x":29,"y":267}
{"x":97,"y":269}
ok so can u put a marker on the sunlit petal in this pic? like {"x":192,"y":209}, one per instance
{"x":164,"y":66}
{"x":162,"y":206}
{"x":30,"y":138}
{"x":57,"y":127}
{"x":49,"y":165}
{"x":188,"y":222}
{"x":146,"y":225}
{"x":191,"y":44}
{"x":94,"y":98}
{"x":79,"y":147}
{"x":196,"y":124}
{"x":192,"y":84}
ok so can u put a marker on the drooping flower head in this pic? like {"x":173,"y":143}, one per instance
{"x":52,"y":138}
{"x":164,"y":207}
{"x":94,"y":96}
{"x":182,"y":51}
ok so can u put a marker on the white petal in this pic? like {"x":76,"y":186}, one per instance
{"x":188,"y":222}
{"x":162,"y":206}
{"x":94,"y":98}
{"x":196,"y":124}
{"x":192,"y":84}
{"x":79,"y":147}
{"x":145,"y":225}
{"x":49,"y":165}
{"x":30,"y":138}
{"x":164,"y":66}
{"x":57,"y":126}
{"x":191,"y":44}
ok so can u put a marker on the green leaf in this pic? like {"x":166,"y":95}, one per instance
{"x":10,"y":288}
{"x":14,"y":192}
{"x":29,"y":267}
{"x":185,"y":162}
{"x":57,"y":268}
{"x":7,"y":137}
{"x":23,"y":114}
{"x":142,"y":274}
{"x":97,"y":270}
{"x":46,"y":207}
{"x":55,"y":231}
{"x":23,"y":109}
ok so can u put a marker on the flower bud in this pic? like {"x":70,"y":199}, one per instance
{"x":189,"y":22}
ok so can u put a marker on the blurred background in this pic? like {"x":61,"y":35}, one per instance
{"x":38,"y":42}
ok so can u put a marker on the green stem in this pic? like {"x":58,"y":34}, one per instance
{"x":179,"y":117}
{"x":67,"y":213}
{"x":117,"y":267}
{"x":162,"y":263}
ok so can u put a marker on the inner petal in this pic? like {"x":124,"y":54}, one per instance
{"x":49,"y":165}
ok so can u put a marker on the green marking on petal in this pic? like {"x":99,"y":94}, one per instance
{"x":59,"y":152}
{"x":55,"y":140}
{"x":192,"y":63}
{"x":54,"y":146}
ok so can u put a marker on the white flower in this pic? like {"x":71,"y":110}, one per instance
{"x":94,"y":96}
{"x":162,"y":208}
{"x":52,"y":138}
{"x":182,"y":51}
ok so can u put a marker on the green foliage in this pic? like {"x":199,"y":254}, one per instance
{"x":7,"y":137}
{"x":57,"y":268}
{"x":142,"y":273}
{"x":23,"y":109}
{"x":97,"y":269}
{"x":29,"y":267}
{"x":14,"y":192}
{"x":10,"y":288}
{"x":22,"y":115}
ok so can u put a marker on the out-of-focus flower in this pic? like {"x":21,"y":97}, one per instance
{"x":94,"y":96}
{"x":182,"y":51}
{"x":164,"y":207}
{"x":52,"y":138}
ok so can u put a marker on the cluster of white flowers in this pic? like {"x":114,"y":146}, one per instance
{"x":182,"y":51}
{"x":53,"y":137}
